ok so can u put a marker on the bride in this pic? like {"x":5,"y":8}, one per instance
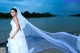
{"x":26,"y":38}
{"x":16,"y":39}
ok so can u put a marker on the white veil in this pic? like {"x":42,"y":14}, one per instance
{"x":22,"y":20}
{"x":39,"y":40}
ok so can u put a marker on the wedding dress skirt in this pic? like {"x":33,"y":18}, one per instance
{"x":18,"y":44}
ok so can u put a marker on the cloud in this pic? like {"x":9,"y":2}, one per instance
{"x":72,"y":6}
{"x":53,"y":6}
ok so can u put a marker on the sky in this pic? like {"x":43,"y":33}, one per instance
{"x":56,"y":7}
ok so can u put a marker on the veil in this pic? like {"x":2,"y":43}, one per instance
{"x":42,"y":41}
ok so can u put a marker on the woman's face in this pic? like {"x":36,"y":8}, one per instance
{"x":13,"y":13}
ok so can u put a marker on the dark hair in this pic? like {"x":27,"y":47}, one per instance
{"x":14,"y":9}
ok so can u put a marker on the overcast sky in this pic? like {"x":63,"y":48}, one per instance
{"x":58,"y":7}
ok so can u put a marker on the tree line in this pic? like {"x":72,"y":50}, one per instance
{"x":76,"y":15}
{"x":27,"y":14}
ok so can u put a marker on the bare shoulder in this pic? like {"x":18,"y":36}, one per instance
{"x":16,"y":20}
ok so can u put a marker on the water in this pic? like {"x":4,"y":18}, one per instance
{"x":50,"y":24}
{"x":55,"y":24}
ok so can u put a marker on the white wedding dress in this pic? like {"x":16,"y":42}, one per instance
{"x":18,"y":44}
{"x":31,"y":39}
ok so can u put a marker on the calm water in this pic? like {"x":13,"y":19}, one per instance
{"x":51,"y":24}
{"x":70,"y":24}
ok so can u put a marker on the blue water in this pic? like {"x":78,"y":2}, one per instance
{"x":51,"y":24}
{"x":54,"y":24}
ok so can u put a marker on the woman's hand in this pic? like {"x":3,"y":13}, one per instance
{"x":12,"y":37}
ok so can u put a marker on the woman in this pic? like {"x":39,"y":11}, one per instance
{"x":16,"y":38}
{"x":26,"y":38}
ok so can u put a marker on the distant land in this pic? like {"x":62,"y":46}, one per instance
{"x":76,"y":15}
{"x":27,"y":14}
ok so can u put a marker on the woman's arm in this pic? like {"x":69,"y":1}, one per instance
{"x":17,"y":29}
